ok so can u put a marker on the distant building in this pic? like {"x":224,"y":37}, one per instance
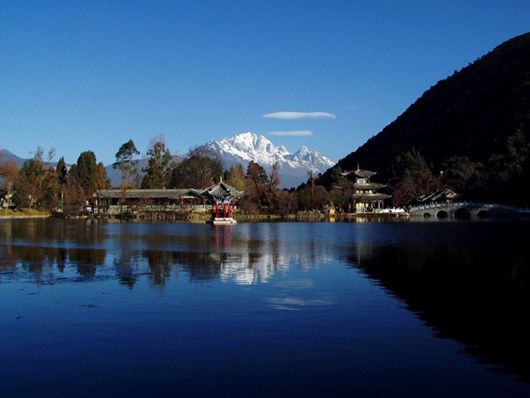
{"x":5,"y":199}
{"x":443,"y":195}
{"x":116,"y":201}
{"x":366,"y":199}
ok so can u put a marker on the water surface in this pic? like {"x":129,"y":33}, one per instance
{"x":268,"y":309}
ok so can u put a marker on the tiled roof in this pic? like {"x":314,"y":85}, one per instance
{"x":149,"y":193}
{"x":221,"y":190}
{"x":370,"y":196}
{"x":218,"y":190}
{"x":440,"y":194}
{"x":370,"y":185}
{"x":364,"y":173}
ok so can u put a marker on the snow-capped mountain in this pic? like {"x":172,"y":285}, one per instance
{"x":245,"y":147}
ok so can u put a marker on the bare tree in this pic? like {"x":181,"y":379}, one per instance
{"x":200,"y":169}
{"x":159,"y":164}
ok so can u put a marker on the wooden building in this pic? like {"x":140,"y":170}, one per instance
{"x":119,"y":201}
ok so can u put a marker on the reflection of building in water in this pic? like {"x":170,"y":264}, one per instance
{"x":243,"y":266}
{"x":245,"y":253}
{"x":222,"y":237}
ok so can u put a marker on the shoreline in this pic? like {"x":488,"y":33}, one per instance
{"x":24,"y":213}
{"x":195,"y":217}
{"x":198,"y":218}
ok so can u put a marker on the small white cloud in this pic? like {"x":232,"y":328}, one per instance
{"x":298,"y":133}
{"x":299,"y":115}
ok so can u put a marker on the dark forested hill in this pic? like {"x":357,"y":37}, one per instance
{"x":474,"y":113}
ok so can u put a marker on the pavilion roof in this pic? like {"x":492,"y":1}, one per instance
{"x":364,"y":173}
{"x":440,"y":194}
{"x":221,"y":190}
{"x":369,"y":185}
{"x":367,"y":197}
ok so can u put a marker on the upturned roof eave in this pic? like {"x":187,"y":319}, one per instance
{"x":368,"y":197}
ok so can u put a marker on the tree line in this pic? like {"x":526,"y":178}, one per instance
{"x":500,"y":179}
{"x":43,"y":184}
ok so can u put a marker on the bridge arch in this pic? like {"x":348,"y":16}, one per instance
{"x":426,"y":215}
{"x":462,"y":213}
{"x":483,"y":213}
{"x":442,"y":214}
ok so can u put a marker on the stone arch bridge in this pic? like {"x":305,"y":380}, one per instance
{"x":465,"y":210}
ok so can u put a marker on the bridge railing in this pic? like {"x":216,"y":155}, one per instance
{"x":466,"y":204}
{"x":429,"y":206}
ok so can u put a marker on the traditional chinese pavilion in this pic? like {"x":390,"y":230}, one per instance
{"x":223,"y":197}
{"x":366,"y":199}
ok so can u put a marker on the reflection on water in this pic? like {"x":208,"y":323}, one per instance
{"x":51,"y":251}
{"x":469,"y":282}
{"x":312,"y":306}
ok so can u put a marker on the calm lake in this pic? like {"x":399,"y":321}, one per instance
{"x":367,"y":309}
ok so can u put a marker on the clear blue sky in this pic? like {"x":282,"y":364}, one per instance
{"x":90,"y":75}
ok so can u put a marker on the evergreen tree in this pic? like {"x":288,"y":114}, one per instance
{"x":126,"y":164}
{"x":411,"y":178}
{"x":62,"y":171}
{"x":462,"y":174}
{"x":87,"y":171}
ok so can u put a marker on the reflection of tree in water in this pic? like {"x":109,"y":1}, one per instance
{"x":87,"y":260}
{"x":62,"y":259}
{"x":36,"y":260}
{"x":8,"y":263}
{"x":478,"y":294}
{"x":125,"y":266}
{"x":51,"y":230}
{"x":200,"y":266}
{"x":40,"y":261}
{"x":160,"y":264}
{"x":203,"y":255}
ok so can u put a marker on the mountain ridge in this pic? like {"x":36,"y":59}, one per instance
{"x":473,"y":113}
{"x":242,"y":148}
{"x":294,"y":166}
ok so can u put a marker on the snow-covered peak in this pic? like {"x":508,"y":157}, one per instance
{"x":242,"y":141}
{"x":248,"y":146}
{"x":303,"y":151}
